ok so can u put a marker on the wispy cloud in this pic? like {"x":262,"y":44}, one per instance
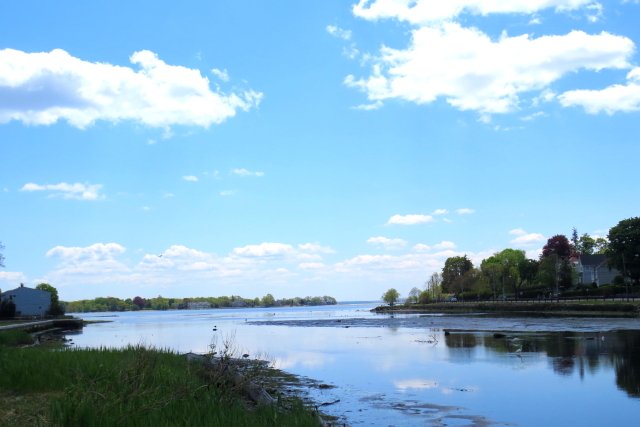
{"x":222,"y":75}
{"x":387,"y":243}
{"x":440,"y":212}
{"x":227,"y":192}
{"x":244,"y":172}
{"x":409,"y":219}
{"x":338,"y":32}
{"x":190,"y":178}
{"x":68,"y":191}
{"x":465,"y":211}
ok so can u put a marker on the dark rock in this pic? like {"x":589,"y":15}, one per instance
{"x":447,"y":333}
{"x":499,"y":335}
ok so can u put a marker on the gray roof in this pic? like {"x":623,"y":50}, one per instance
{"x":595,"y":260}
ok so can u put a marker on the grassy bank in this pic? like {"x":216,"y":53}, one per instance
{"x":583,"y":308}
{"x":131,"y":387}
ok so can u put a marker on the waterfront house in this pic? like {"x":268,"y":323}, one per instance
{"x":29,"y":301}
{"x":594,"y":269}
{"x":198,"y":305}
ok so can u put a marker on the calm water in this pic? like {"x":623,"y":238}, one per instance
{"x":404,"y":371}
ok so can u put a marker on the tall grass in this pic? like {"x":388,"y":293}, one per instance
{"x":134,"y":387}
{"x":14,"y":337}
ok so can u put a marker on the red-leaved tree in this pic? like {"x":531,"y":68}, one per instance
{"x":140,"y":302}
{"x":557,"y":245}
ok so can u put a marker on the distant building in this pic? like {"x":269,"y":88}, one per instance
{"x":29,"y":301}
{"x":593,"y":268}
{"x":197,"y":305}
{"x":239,"y":303}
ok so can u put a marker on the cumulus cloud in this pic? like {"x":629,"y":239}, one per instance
{"x":387,"y":243}
{"x":339,"y":32}
{"x":423,"y":12}
{"x":526,"y":239}
{"x":280,"y":251}
{"x":190,"y":178}
{"x":96,"y":252}
{"x":465,"y":211}
{"x":42,"y":88}
{"x":311,"y":266}
{"x":409,"y":219}
{"x":624,"y":98}
{"x":244,"y":172}
{"x":445,"y":245}
{"x":77,"y":191}
{"x":471,"y":71}
{"x":315,"y":247}
{"x":222,"y":75}
{"x":12,"y":277}
{"x":367,"y":107}
{"x":421,"y":248}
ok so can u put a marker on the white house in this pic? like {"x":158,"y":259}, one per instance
{"x":198,"y":305}
{"x":593,"y":268}
{"x":29,"y":301}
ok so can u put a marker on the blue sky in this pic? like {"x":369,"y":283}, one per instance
{"x":306,"y":148}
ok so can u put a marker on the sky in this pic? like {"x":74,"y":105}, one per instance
{"x":207,"y":148}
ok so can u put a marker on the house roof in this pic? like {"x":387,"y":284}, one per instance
{"x":595,"y":260}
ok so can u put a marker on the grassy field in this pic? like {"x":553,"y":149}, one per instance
{"x":131,"y":387}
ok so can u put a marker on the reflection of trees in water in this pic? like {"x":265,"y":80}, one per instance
{"x":627,"y":363}
{"x":568,"y":352}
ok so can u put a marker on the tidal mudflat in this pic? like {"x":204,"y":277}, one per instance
{"x":405,"y":370}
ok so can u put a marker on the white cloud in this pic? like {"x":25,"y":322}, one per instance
{"x":77,"y":191}
{"x":472,"y":72}
{"x":409,"y":219}
{"x":244,"y":172}
{"x":533,"y":253}
{"x":273,"y":251}
{"x":222,"y":75}
{"x":446,"y":220}
{"x":338,"y":32}
{"x":96,"y":252}
{"x":535,"y":21}
{"x":12,"y":277}
{"x":367,"y":107}
{"x":227,"y":192}
{"x":311,"y":266}
{"x":315,"y":247}
{"x":190,"y":178}
{"x":387,"y":243}
{"x":151,"y":141}
{"x":533,"y":116}
{"x":594,"y":12}
{"x":421,"y":248}
{"x":445,"y":245}
{"x":422,"y":12}
{"x":465,"y":211}
{"x":145,"y":208}
{"x":525,"y":239}
{"x":42,"y":88}
{"x":610,"y":100}
{"x":440,"y":212}
{"x":350,"y":52}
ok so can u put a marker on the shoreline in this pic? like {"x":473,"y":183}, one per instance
{"x":550,"y":309}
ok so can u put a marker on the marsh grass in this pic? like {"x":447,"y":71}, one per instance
{"x":12,"y":338}
{"x":132,"y":387}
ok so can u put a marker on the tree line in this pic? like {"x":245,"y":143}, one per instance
{"x":102,"y":304}
{"x":511,"y":272}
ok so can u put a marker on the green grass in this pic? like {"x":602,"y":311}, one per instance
{"x":131,"y":387}
{"x":12,"y":338}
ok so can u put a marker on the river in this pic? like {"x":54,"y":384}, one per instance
{"x":405,"y":371}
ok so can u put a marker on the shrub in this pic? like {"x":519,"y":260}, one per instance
{"x":7,"y":308}
{"x":618,"y":280}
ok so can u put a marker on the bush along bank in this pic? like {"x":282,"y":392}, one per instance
{"x":130,"y":387}
{"x":548,"y":308}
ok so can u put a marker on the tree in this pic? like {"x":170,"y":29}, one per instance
{"x":623,"y":252}
{"x":528,"y":271}
{"x":558,"y":245}
{"x":601,"y":245}
{"x":268,"y":300}
{"x":413,"y":294}
{"x":1,"y":256}
{"x":55,"y":308}
{"x":432,"y":289}
{"x":454,"y":268}
{"x":574,"y":237}
{"x":504,"y":271}
{"x":586,"y":245}
{"x":492,"y":273}
{"x":140,"y":302}
{"x":7,"y":308}
{"x":391,"y":296}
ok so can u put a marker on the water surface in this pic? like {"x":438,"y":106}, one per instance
{"x":404,"y":371}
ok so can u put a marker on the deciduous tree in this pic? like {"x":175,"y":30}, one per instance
{"x":55,"y":309}
{"x":623,"y":252}
{"x":391,"y":296}
{"x":454,"y":268}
